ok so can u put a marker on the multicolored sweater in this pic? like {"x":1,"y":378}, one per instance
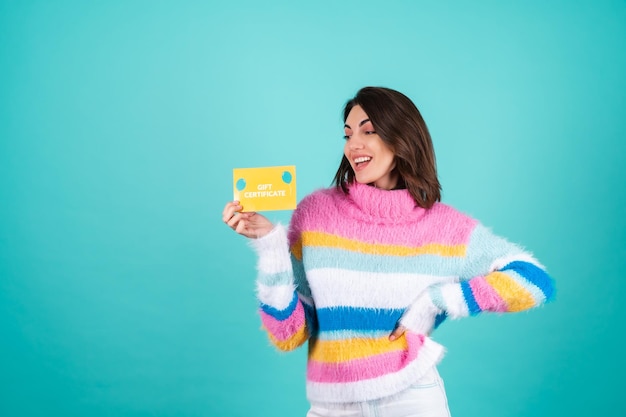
{"x":352,"y":267}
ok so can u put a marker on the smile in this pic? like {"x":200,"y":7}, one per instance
{"x":362,"y":159}
{"x":361,"y":162}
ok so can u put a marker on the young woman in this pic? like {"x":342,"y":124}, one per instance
{"x":370,"y":266}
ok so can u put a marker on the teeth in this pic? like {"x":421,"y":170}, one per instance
{"x":362,"y":159}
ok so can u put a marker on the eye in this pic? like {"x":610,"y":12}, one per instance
{"x":370,"y":132}
{"x":346,"y":137}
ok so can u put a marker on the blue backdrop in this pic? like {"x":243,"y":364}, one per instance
{"x":123,"y":294}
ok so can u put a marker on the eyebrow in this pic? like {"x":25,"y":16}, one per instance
{"x":361,"y":123}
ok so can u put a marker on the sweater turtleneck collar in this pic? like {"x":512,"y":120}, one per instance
{"x":382,"y":204}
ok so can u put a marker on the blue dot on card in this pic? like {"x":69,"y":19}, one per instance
{"x":287,"y":177}
{"x":241,"y":184}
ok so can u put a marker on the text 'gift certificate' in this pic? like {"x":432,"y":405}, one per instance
{"x":263,"y":189}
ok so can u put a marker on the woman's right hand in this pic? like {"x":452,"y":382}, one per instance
{"x":248,"y":224}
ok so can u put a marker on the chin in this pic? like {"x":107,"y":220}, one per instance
{"x":363,"y":180}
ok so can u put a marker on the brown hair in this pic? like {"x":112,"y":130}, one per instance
{"x":401,"y":127}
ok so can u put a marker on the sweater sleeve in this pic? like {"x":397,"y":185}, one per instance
{"x":285,"y":305}
{"x":496,"y":276}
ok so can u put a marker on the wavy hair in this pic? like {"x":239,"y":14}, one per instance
{"x":401,"y":127}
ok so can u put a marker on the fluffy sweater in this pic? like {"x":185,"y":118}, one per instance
{"x":352,"y":267}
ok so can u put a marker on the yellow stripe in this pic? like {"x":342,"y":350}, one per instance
{"x":517,"y":298}
{"x":345,"y":350}
{"x":293,"y":342}
{"x":296,"y":249}
{"x":332,"y":241}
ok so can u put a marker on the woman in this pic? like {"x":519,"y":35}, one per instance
{"x":370,"y":266}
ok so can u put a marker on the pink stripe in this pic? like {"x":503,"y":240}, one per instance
{"x":486,"y":297}
{"x":366,"y":368}
{"x":446,"y":225}
{"x":283,"y":330}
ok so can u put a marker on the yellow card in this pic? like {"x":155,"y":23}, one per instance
{"x":263,"y":189}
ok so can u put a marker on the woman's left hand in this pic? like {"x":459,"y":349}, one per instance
{"x":399,"y":331}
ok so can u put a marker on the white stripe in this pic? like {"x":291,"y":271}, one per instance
{"x":504,"y":261}
{"x":273,"y":251}
{"x":370,"y":389}
{"x":352,"y":334}
{"x":534,"y":290}
{"x":455,"y":302}
{"x":340,"y":287}
{"x":277,"y":296}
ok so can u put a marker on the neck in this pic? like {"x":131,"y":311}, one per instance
{"x":389,"y":182}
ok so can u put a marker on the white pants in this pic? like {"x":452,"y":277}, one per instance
{"x":425,"y":398}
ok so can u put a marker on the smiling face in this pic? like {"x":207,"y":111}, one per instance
{"x":372,"y":161}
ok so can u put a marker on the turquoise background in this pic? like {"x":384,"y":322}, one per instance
{"x":122,"y":293}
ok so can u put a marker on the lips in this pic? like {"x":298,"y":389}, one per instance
{"x":360,"y":162}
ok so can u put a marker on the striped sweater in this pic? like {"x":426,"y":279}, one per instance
{"x":351,"y":267}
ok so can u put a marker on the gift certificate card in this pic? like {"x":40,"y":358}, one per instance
{"x":267,"y":188}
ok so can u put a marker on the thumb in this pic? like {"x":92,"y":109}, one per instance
{"x":399,"y":331}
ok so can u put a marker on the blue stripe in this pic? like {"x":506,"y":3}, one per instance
{"x":311,"y":318}
{"x":535,"y":275}
{"x":320,"y":257}
{"x":472,"y":305}
{"x":440,"y":319}
{"x":280,"y":278}
{"x":281,"y":314}
{"x":485,"y":247}
{"x":357,"y":318}
{"x":299,"y":277}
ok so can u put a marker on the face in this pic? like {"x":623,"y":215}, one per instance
{"x":371,"y":159}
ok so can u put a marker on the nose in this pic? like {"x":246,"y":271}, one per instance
{"x":355,"y":142}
